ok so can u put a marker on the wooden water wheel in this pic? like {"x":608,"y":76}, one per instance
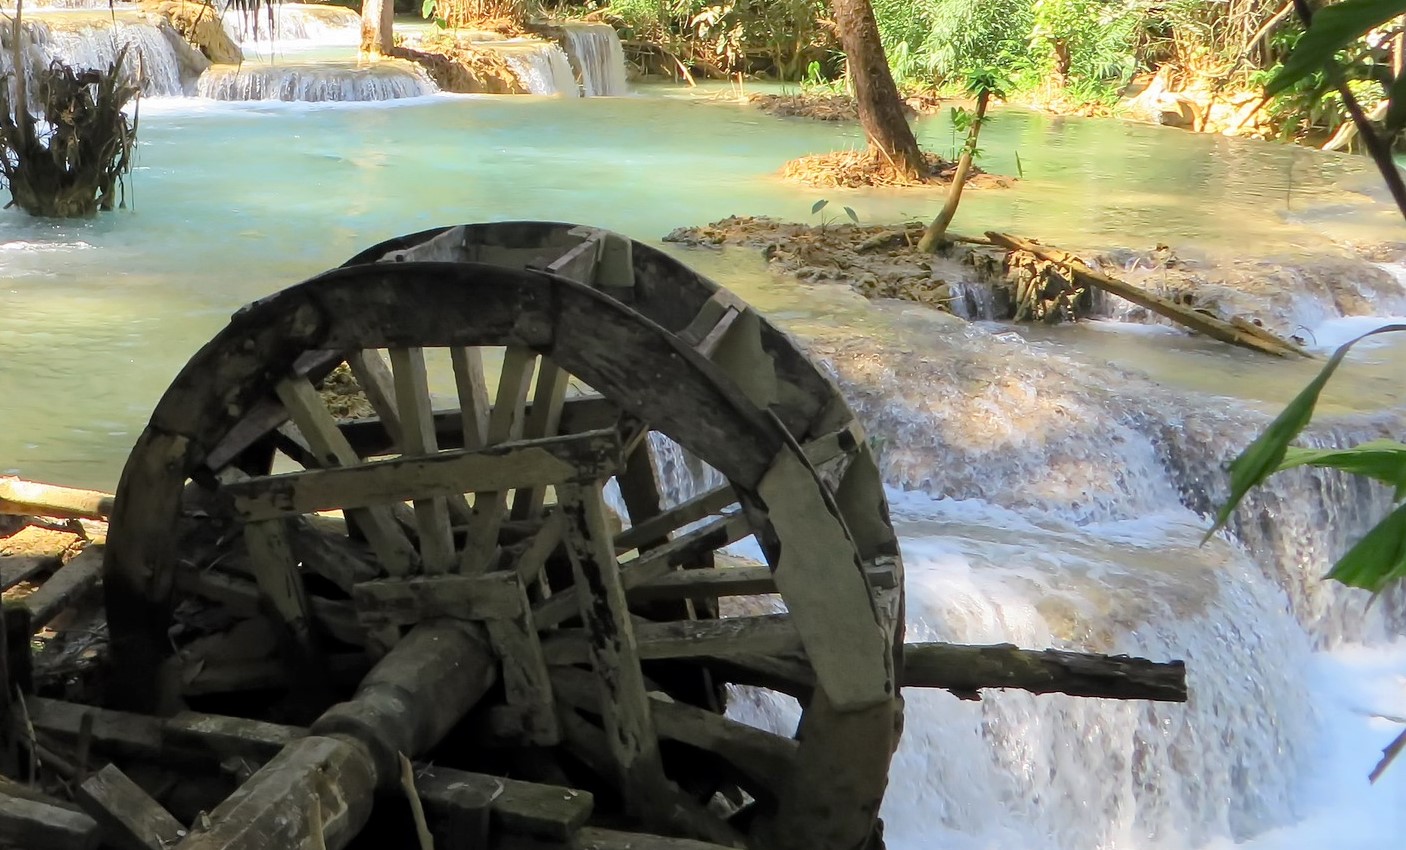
{"x":472,"y":554}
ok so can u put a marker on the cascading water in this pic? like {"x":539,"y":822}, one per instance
{"x":314,"y":83}
{"x":595,"y":52}
{"x":157,"y":55}
{"x":280,"y":23}
{"x":541,"y":66}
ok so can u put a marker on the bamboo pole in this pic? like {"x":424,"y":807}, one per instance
{"x":31,"y":498}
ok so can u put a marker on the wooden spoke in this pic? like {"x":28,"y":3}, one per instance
{"x":474,"y":406}
{"x":610,"y":647}
{"x":699,"y":507}
{"x":639,"y":487}
{"x":392,"y":547}
{"x":280,"y":585}
{"x":530,"y":715}
{"x":404,"y":602}
{"x":504,"y":423}
{"x":657,"y":562}
{"x":378,"y":383}
{"x":418,"y":438}
{"x":539,"y":548}
{"x":543,"y":420}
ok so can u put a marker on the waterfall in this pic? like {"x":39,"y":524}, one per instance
{"x":541,"y":66}
{"x":156,"y":53}
{"x":973,"y":300}
{"x":596,"y":55}
{"x":296,"y":22}
{"x":324,"y":81}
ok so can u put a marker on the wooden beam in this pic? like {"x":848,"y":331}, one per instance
{"x":129,"y":818}
{"x":551,"y":461}
{"x":609,"y":644}
{"x":334,"y":616}
{"x":705,"y":584}
{"x":65,"y":586}
{"x":770,"y":634}
{"x":281,"y":587}
{"x":543,"y":420}
{"x":405,"y":602}
{"x":596,"y":838}
{"x":549,"y":812}
{"x":474,"y":406}
{"x":34,"y":825}
{"x":531,"y":710}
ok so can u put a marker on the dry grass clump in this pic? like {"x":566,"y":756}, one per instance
{"x":857,"y":168}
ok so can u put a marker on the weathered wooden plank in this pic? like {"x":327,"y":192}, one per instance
{"x":705,"y":584}
{"x":821,"y":578}
{"x":525,"y":681}
{"x":596,"y":838}
{"x":19,"y":568}
{"x":379,"y":526}
{"x":406,"y":601}
{"x":548,"y":461}
{"x":768,"y":634}
{"x":129,"y":818}
{"x":186,"y":737}
{"x":322,"y":547}
{"x":610,"y":648}
{"x":33,"y":825}
{"x":65,"y":586}
{"x":505,"y":423}
{"x":543,"y":420}
{"x":525,"y":808}
{"x":412,"y":392}
{"x":639,"y":488}
{"x":32,"y":498}
{"x":316,"y":793}
{"x":700,"y":506}
{"x":648,"y":566}
{"x":615,"y":271}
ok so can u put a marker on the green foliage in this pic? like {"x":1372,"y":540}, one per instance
{"x":938,"y":40}
{"x":1334,"y":28}
{"x":733,"y":34}
{"x":1379,"y":558}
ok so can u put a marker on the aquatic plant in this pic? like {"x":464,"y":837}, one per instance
{"x":72,"y":163}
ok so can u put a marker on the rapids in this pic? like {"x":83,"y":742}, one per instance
{"x":1049,"y":484}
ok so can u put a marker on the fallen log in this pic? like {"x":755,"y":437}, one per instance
{"x":1256,"y":340}
{"x":30,"y":498}
{"x":964,"y":670}
{"x":65,"y":586}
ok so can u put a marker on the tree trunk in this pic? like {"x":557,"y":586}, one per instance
{"x":377,"y":17}
{"x":936,"y":233}
{"x":880,"y":108}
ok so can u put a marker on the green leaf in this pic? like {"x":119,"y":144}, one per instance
{"x":427,"y":8}
{"x":1378,"y":559}
{"x":441,"y":23}
{"x":1383,"y":460}
{"x":818,"y":206}
{"x":1262,"y":457}
{"x":852,"y":215}
{"x":1333,"y":28}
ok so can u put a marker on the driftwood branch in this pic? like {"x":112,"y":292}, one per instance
{"x":964,"y":670}
{"x":1261,"y":340}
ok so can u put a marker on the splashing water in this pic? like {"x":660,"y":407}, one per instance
{"x":157,"y":56}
